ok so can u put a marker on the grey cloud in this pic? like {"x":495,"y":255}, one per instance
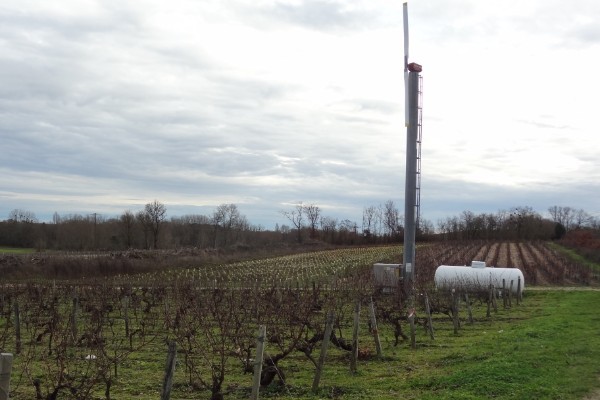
{"x":322,"y":15}
{"x":105,"y":106}
{"x":318,"y":14}
{"x":560,"y":24}
{"x":587,"y":34}
{"x":544,"y":125}
{"x":445,"y":198}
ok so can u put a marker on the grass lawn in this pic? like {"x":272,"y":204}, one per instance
{"x":15,"y":250}
{"x":546,"y":348}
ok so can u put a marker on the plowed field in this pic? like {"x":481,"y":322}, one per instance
{"x":540,"y":264}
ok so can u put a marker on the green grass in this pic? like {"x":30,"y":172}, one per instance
{"x":576,"y":257}
{"x":15,"y":250}
{"x":546,"y":348}
{"x":554,"y":353}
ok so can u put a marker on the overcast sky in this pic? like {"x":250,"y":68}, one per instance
{"x":106,"y":105}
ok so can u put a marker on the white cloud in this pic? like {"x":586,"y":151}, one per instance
{"x":107,"y":105}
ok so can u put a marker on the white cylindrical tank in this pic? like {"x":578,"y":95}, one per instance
{"x":477,"y":277}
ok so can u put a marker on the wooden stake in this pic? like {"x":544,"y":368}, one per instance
{"x":324,"y":345}
{"x":258,"y":361}
{"x":518,"y":290}
{"x":2,"y":307}
{"x":125,"y":304}
{"x":469,"y":311}
{"x":429,"y":320}
{"x":374,"y":328}
{"x":354,"y":355}
{"x":413,"y":333}
{"x":74,"y":318}
{"x":17,"y":329}
{"x":489,"y":305}
{"x":504,"y":304}
{"x":6,"y":361}
{"x":169,"y":370}
{"x":455,"y":320}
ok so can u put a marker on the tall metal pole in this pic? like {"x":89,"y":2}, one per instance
{"x":410,"y":190}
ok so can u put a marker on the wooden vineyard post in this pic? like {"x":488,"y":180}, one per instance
{"x":374,"y":328}
{"x":17,"y":328}
{"x":429,"y":320}
{"x":411,"y":321}
{"x":469,"y":311}
{"x":258,"y":361}
{"x":504,"y":304}
{"x":494,"y":299}
{"x":74,"y":318}
{"x":169,"y":371}
{"x":6,"y":361}
{"x":2,"y":303}
{"x":518,"y":290}
{"x":125,"y":303}
{"x":8,"y":313}
{"x":455,"y":320}
{"x":324,"y":345}
{"x":354,"y":355}
{"x":489,"y":304}
{"x":510,"y":289}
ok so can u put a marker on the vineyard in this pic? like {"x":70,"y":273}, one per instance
{"x":109,"y":337}
{"x":540,"y":264}
{"x":299,"y":269}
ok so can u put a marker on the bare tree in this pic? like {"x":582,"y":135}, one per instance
{"x":562,"y":215}
{"x":296,"y":217}
{"x":523,"y":221}
{"x":227,"y":218}
{"x":313,"y":212}
{"x":24,"y":229}
{"x":391,"y":218}
{"x":582,"y":219}
{"x":467,"y":219}
{"x":217,"y":220}
{"x":328,"y":226}
{"x":555,"y":213}
{"x":56,"y":219}
{"x":492,"y":225}
{"x":426,"y":229}
{"x":234,"y":221}
{"x":127,"y":220}
{"x":567,"y":217}
{"x":18,"y":215}
{"x":368,"y":221}
{"x":146,"y":224}
{"x":156,"y":212}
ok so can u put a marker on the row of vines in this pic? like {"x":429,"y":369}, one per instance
{"x":87,"y":340}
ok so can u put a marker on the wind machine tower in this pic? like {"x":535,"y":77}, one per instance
{"x":413,"y":93}
{"x":386,"y":275}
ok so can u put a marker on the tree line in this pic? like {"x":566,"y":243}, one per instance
{"x":149,"y":228}
{"x":517,"y":223}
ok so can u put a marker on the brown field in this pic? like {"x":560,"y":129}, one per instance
{"x":540,"y":264}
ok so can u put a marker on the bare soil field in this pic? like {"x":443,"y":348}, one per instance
{"x":540,"y":264}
